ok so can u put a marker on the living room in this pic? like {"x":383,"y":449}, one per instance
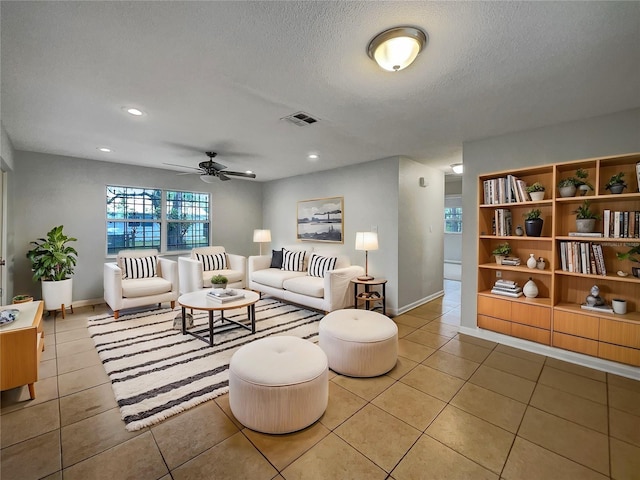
{"x":525,"y":98}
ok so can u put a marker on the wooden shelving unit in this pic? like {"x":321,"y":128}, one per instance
{"x":554,"y":317}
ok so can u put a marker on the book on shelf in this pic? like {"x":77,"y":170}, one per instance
{"x":597,"y":308}
{"x":507,"y":289}
{"x":585,"y":234}
{"x":505,"y":282}
{"x":513,"y":261}
{"x":505,"y":293}
{"x":225,"y":295}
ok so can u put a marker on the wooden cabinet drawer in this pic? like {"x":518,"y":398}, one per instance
{"x":495,"y":324}
{"x":531,"y":333}
{"x":532,"y":315}
{"x":574,"y":324}
{"x":575,"y":344}
{"x":620,"y":333}
{"x":493,"y":307}
{"x":620,"y":354}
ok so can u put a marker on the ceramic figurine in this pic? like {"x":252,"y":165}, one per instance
{"x":594,"y":299}
{"x":541,"y":263}
{"x":531,"y":261}
{"x":519,"y":231}
{"x":530,"y":289}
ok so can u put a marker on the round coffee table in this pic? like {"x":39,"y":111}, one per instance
{"x":201,"y":300}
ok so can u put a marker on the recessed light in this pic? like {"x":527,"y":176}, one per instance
{"x":313,"y":156}
{"x":457,"y":168}
{"x":105,"y":149}
{"x":136,"y":112}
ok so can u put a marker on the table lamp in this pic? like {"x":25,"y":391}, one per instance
{"x":366,"y":241}
{"x":260,"y":236}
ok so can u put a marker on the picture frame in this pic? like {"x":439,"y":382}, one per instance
{"x":320,"y":220}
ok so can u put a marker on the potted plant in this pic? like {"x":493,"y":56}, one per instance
{"x":501,"y":251}
{"x":536,"y":191}
{"x":567,"y":187}
{"x":22,"y":299}
{"x":52,"y":263}
{"x":581,"y":181}
{"x":219,"y":281}
{"x":533,"y":223}
{"x":616,"y":183}
{"x":585,"y":218}
{"x":634,"y":255}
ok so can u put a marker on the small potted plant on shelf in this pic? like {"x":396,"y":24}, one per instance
{"x":22,"y":299}
{"x":616,"y":183}
{"x":581,"y":181}
{"x":567,"y":187}
{"x":219,"y":281}
{"x":634,"y":255}
{"x":533,"y":223}
{"x":585,"y":218}
{"x":501,"y":251}
{"x":536,"y":191}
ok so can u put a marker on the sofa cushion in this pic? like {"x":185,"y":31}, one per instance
{"x":232,"y":276}
{"x":210,"y":263}
{"x":276,"y":258}
{"x":142,"y":287}
{"x":139,"y":267}
{"x":293,"y":261}
{"x":307,"y":285}
{"x":318,"y":265}
{"x":273,"y":277}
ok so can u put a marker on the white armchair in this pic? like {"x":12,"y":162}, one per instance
{"x":194,"y":277}
{"x":138,"y":278}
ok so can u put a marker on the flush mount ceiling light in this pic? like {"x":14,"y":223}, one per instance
{"x":395,"y":49}
{"x":105,"y":149}
{"x":457,"y":168}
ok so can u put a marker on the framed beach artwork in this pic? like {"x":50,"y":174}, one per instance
{"x":321,"y":220}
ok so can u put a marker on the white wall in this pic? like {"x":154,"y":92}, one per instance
{"x":54,"y":190}
{"x":420,"y":233}
{"x":6,"y":150}
{"x":613,"y":134}
{"x":370,"y":192}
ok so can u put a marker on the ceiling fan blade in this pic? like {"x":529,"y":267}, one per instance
{"x":239,"y":174}
{"x":223,"y":177}
{"x":211,"y":165}
{"x":183,"y":166}
{"x":190,"y":173}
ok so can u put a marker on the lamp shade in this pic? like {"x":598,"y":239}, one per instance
{"x":261,"y":236}
{"x":366,"y":241}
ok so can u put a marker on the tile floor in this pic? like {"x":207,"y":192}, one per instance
{"x":453,"y":407}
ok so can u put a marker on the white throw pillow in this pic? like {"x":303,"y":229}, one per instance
{"x":212,"y":262}
{"x":293,"y":261}
{"x":318,"y":265}
{"x":139,"y":267}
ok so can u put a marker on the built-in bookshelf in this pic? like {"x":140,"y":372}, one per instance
{"x":573,"y":263}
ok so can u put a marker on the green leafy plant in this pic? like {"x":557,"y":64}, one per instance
{"x":536,"y":187}
{"x":219,"y":280}
{"x":21,"y":298}
{"x":502,"y":249}
{"x":630,"y":255}
{"x":616,"y":180}
{"x":583,"y":212}
{"x":532,"y":214}
{"x":52,"y":258}
{"x":582,"y":178}
{"x":567,"y":182}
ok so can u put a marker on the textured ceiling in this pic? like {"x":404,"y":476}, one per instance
{"x":221,"y":75}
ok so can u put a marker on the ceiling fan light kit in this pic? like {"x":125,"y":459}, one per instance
{"x":395,"y":49}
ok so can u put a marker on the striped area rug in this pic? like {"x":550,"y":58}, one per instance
{"x":157,"y":372}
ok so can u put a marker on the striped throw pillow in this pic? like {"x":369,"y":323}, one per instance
{"x":293,"y":261}
{"x":213,"y":262}
{"x":141,"y":267}
{"x":318,"y":265}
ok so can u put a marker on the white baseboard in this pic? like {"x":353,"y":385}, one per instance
{"x":573,"y":357}
{"x":417,"y":303}
{"x":88,"y":302}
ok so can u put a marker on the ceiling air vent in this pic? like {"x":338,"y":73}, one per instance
{"x":300,"y":119}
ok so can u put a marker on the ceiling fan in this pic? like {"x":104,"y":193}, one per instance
{"x":209,"y":170}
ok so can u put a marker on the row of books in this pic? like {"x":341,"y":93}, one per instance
{"x":582,"y":257}
{"x":621,"y":224}
{"x":509,"y":189}
{"x":507,"y":288}
{"x":224,"y":296}
{"x":502,"y":222}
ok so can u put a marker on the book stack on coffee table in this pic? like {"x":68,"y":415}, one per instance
{"x":507,"y":288}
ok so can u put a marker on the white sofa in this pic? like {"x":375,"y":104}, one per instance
{"x":331,"y":292}
{"x":122,"y":292}
{"x":194,"y":277}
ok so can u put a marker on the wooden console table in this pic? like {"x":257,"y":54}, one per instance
{"x":21,"y":344}
{"x":370,"y":297}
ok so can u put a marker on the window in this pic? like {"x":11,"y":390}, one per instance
{"x":453,"y":214}
{"x":150,"y":218}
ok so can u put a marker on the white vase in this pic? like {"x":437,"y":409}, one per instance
{"x":530,"y":289}
{"x":57,"y":294}
{"x":531,"y":262}
{"x":536,"y":196}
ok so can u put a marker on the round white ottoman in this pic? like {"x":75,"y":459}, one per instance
{"x":359,"y":343}
{"x":278,"y":384}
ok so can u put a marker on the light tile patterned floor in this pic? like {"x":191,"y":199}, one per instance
{"x":454,"y":406}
